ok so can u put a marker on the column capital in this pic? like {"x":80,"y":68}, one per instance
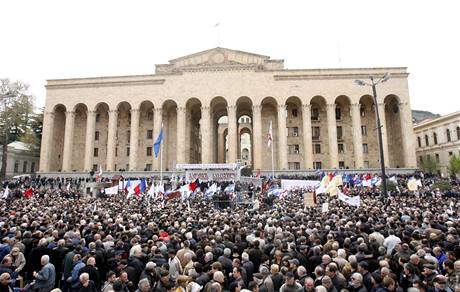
{"x":91,"y":112}
{"x":281,"y":106}
{"x":402,"y":104}
{"x":231,"y":108}
{"x":113,"y":112}
{"x":50,"y":113}
{"x":257,"y":107}
{"x":306,"y":106}
{"x":355,"y":105}
{"x":158,"y":109}
{"x":70,"y":113}
{"x":135,"y":110}
{"x":205,"y":108}
{"x":381,"y":104}
{"x":331,"y":106}
{"x":181,"y":109}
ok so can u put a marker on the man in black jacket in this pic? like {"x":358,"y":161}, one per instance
{"x":92,"y":271}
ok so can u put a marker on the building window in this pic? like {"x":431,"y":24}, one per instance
{"x":427,"y":142}
{"x":32,"y":166}
{"x":437,"y":157}
{"x":96,"y":136}
{"x":366,"y":164}
{"x":295,"y":131}
{"x":421,"y":159}
{"x":362,"y":111}
{"x":317,"y":148}
{"x":94,"y":167}
{"x":24,"y":167}
{"x":451,"y":153}
{"x":448,"y":135}
{"x":340,"y":147}
{"x":365,"y":148}
{"x":295,"y":113}
{"x":96,"y":152}
{"x":98,"y":117}
{"x":148,"y":167}
{"x":458,"y":133}
{"x":315,"y":114}
{"x":435,"y":138}
{"x":149,"y":134}
{"x":116,"y":151}
{"x":338,"y":113}
{"x":339,"y":133}
{"x":150,"y":116}
{"x":149,"y":151}
{"x":294,"y":165}
{"x":419,"y":140}
{"x":317,"y":165}
{"x":341,"y":164}
{"x":16,"y":166}
{"x":315,"y":133}
{"x":294,"y":149}
{"x":127,"y":151}
{"x":128,"y":133}
{"x":364,"y":130}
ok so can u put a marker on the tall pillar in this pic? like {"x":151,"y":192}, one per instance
{"x":307,"y":136}
{"x":357,"y":135}
{"x":157,"y":124}
{"x":47,"y":141}
{"x":206,"y":135}
{"x":257,"y":136}
{"x":134,"y":139}
{"x":111,"y":139}
{"x":180,"y":130}
{"x":332,"y":133}
{"x":68,"y":140}
{"x":232,"y":134}
{"x":408,"y":137}
{"x":89,"y":144}
{"x":383,"y":122}
{"x":282,"y":139}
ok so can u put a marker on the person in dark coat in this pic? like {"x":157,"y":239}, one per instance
{"x":92,"y":271}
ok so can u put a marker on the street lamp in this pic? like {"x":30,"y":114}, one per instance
{"x":373,"y":83}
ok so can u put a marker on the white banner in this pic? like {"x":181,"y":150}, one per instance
{"x":111,"y":191}
{"x":211,"y":175}
{"x":289,"y":184}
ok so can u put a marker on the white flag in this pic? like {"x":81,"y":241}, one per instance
{"x":68,"y":187}
{"x":270,"y":135}
{"x":151,"y":191}
{"x":111,"y":191}
{"x":6,"y":192}
{"x":325,"y":208}
{"x":352,"y":201}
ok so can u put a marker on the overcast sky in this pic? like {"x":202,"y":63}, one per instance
{"x":63,"y":39}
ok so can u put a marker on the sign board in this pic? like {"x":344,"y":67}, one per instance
{"x":211,"y":175}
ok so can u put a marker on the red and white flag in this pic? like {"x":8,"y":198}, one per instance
{"x":270,"y":135}
{"x":99,"y":174}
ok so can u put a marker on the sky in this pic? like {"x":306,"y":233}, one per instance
{"x":43,"y":40}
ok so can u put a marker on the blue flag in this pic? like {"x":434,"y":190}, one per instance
{"x":143,"y":186}
{"x":157,"y":144}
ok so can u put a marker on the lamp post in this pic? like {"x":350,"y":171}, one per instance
{"x":373,"y":83}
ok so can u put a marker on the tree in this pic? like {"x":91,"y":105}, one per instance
{"x":454,"y":165}
{"x":429,"y":165}
{"x":16,"y":107}
{"x":33,"y":134}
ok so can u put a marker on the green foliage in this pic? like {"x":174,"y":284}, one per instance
{"x":454,"y":165}
{"x":391,"y":186}
{"x":429,"y":165}
{"x":442,"y":185}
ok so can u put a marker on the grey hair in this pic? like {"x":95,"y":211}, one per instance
{"x":143,"y":283}
{"x":45,"y":258}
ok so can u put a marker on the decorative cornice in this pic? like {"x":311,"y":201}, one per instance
{"x":106,"y":84}
{"x":290,"y":77}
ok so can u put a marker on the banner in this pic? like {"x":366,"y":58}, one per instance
{"x":211,"y":175}
{"x":111,"y":191}
{"x":290,"y":184}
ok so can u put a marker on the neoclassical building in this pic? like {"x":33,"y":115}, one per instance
{"x":213,"y":102}
{"x":438,"y":139}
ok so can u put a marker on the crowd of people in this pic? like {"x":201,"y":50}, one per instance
{"x":408,"y":241}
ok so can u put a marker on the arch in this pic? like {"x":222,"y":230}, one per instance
{"x":59,"y":106}
{"x":146,"y":104}
{"x":269,"y":100}
{"x":80,"y":106}
{"x":79,"y":137}
{"x":393,"y":126}
{"x":344,"y":123}
{"x":294,"y":100}
{"x":58,"y":133}
{"x":369,"y":137}
{"x":123,"y":105}
{"x":101,"y":106}
{"x":170,"y":108}
{"x":146,"y":135}
{"x":193,"y":128}
{"x":243,"y":106}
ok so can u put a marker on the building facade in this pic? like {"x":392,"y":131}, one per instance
{"x":20,"y":159}
{"x":438,"y":139}
{"x":207,"y":101}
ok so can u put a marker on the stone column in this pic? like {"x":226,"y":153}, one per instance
{"x":257,"y":140}
{"x":382,"y":116}
{"x":111,"y":139}
{"x":47,"y":141}
{"x":206,"y":135}
{"x":332,"y":133}
{"x":357,"y":135}
{"x":157,"y":124}
{"x":89,"y":144}
{"x":232,"y":134}
{"x":282,"y":139}
{"x":68,"y":141}
{"x":307,"y":136}
{"x":180,"y":135}
{"x":407,"y":131}
{"x":134,"y":139}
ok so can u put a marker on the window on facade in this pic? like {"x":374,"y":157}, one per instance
{"x":315,"y":114}
{"x":448,"y":135}
{"x":294,"y":165}
{"x":150,"y":116}
{"x":338,"y":113}
{"x":24,"y":167}
{"x":421,"y":159}
{"x":365,"y":148}
{"x":295,"y":131}
{"x":149,"y":151}
{"x":435,"y":138}
{"x":317,"y":148}
{"x":451,"y":153}
{"x":339,"y":133}
{"x":363,"y":130}
{"x":32,"y":166}
{"x":149,"y":134}
{"x":427,"y":141}
{"x":94,"y":167}
{"x":128,"y":133}
{"x":98,"y":117}
{"x":458,"y":133}
{"x":127,"y":151}
{"x":148,"y":167}
{"x":315,"y":133}
{"x":341,"y":148}
{"x":295,"y":113}
{"x":317,"y":165}
{"x":366,"y":164}
{"x":419,"y":140}
{"x":16,"y":166}
{"x":362,"y":111}
{"x":96,"y":136}
{"x":96,"y":152}
{"x":341,"y":164}
{"x":437,"y":157}
{"x":296,"y":149}
{"x":116,"y":151}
